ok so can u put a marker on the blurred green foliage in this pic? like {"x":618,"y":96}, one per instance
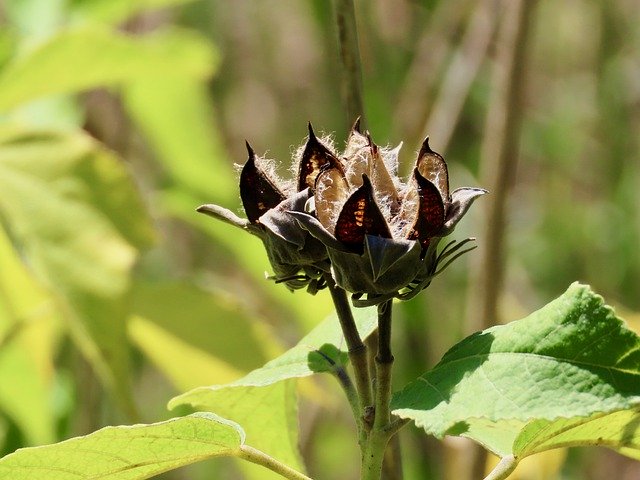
{"x":119,"y":117}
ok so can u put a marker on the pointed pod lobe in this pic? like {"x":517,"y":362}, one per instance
{"x":258,"y":192}
{"x":360,"y":216}
{"x":432,"y":166}
{"x":314,"y":157}
{"x":431,"y":211}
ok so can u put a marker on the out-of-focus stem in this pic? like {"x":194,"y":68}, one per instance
{"x":350,"y":60}
{"x":501,"y":147}
{"x":499,"y":158}
{"x":392,"y":463}
{"x":461,"y":73}
{"x":432,"y":50}
{"x":357,"y":349}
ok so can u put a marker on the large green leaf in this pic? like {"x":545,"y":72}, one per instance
{"x":74,"y":212}
{"x":30,"y":328}
{"x":177,"y":118}
{"x":264,"y":390}
{"x":114,"y":11}
{"x":294,"y":363}
{"x":569,"y":361}
{"x":268,"y":414}
{"x":128,"y":452}
{"x":617,"y":430}
{"x":186,"y":347}
{"x":78,"y":59}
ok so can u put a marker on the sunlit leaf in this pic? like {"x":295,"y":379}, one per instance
{"x":183,"y":364}
{"x":184,"y":346}
{"x":176,"y":116}
{"x":572,"y":358}
{"x":269,"y":415}
{"x":114,"y":11}
{"x":128,"y":452}
{"x":79,"y":59}
{"x":74,"y":212}
{"x":264,"y":389}
{"x":294,"y":363}
{"x":617,"y":430}
{"x":29,"y":322}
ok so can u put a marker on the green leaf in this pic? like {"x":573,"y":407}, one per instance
{"x":327,"y":358}
{"x":264,"y":391}
{"x":185,"y":347}
{"x":183,"y":364}
{"x":294,"y":363}
{"x":128,"y":452}
{"x":572,"y":358}
{"x":176,"y":116}
{"x":115,"y":11}
{"x":74,"y":212}
{"x":616,"y":430}
{"x":26,"y":378}
{"x":268,"y":414}
{"x":30,"y":329}
{"x":68,"y":62}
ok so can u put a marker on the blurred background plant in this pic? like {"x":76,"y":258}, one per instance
{"x":119,"y":117}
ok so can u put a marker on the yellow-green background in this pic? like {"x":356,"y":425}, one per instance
{"x":111,"y":303}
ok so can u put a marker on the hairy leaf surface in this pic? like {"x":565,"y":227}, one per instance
{"x":571,"y":361}
{"x":128,"y":452}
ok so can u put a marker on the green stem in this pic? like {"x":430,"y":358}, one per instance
{"x":505,"y":468}
{"x":396,"y":425}
{"x":350,"y":59}
{"x":384,"y":364}
{"x":499,"y":159}
{"x":357,"y":349}
{"x":373,"y":455}
{"x":256,"y":456}
{"x":345,"y":382}
{"x":378,"y":437}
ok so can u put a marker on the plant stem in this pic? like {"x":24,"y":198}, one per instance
{"x":357,"y":349}
{"x":463,"y":70}
{"x":499,"y":159}
{"x":373,"y":455}
{"x":500,"y":150}
{"x":256,"y":456}
{"x":505,"y":468}
{"x":345,"y":382}
{"x":384,"y":364}
{"x":396,"y":425}
{"x":350,"y":59}
{"x":377,"y":439}
{"x":372,"y":348}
